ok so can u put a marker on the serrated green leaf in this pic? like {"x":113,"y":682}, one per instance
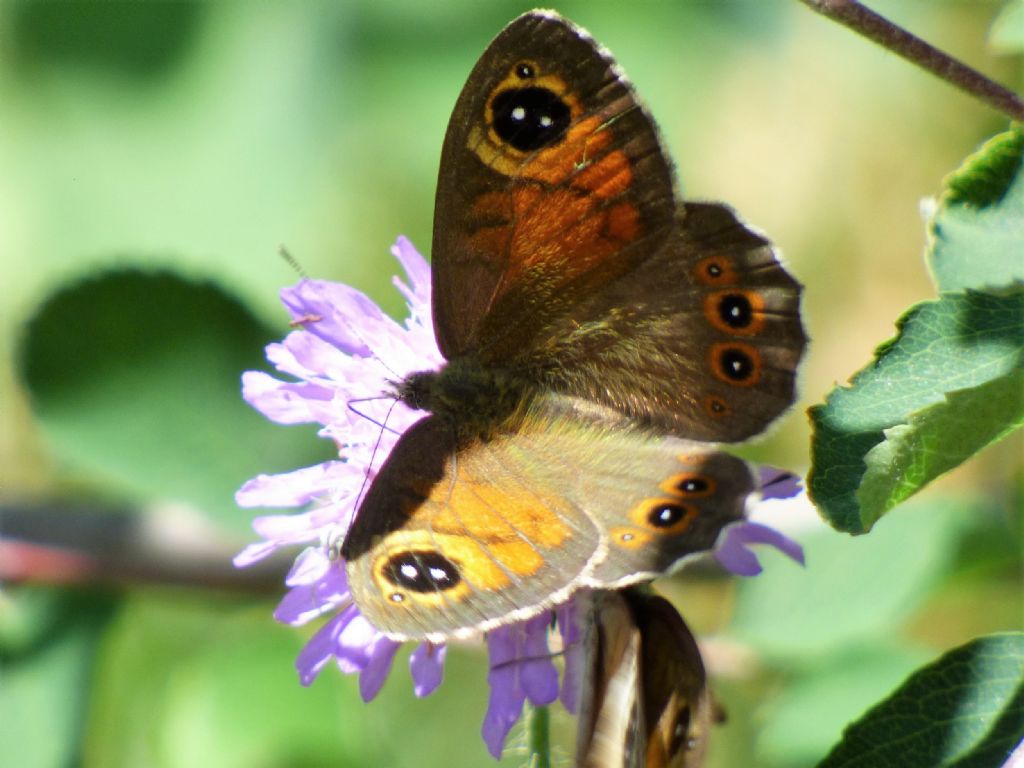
{"x":915,"y":453}
{"x":977,"y":231}
{"x":956,"y":344}
{"x":966,"y":709}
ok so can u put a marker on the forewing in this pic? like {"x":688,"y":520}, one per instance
{"x":552,"y":182}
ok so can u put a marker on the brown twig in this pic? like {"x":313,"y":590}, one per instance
{"x":864,"y":21}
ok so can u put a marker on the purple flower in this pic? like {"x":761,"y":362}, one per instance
{"x":342,"y":360}
{"x":347,"y":351}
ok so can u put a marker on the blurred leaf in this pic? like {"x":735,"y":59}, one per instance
{"x":1007,"y":34}
{"x":966,"y":709}
{"x":185,"y":682}
{"x":135,"y":378}
{"x":852,"y":590}
{"x":977,"y":232}
{"x":135,"y":39}
{"x":952,"y":352}
{"x":44,"y":687}
{"x":807,"y":717}
{"x":27,"y":618}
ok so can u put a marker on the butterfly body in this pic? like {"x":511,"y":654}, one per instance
{"x":600,"y":337}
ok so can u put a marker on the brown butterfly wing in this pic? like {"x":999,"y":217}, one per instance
{"x":702,"y":338}
{"x":457,"y":536}
{"x":645,"y":701}
{"x":552,"y":183}
{"x":677,"y":704}
{"x":560,"y":251}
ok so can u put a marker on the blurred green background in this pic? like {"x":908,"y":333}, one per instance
{"x":155,"y":156}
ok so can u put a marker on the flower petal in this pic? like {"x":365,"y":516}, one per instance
{"x":537,"y":670}
{"x":573,"y":652}
{"x":292,"y":489}
{"x":520,"y":668}
{"x":426,"y":664}
{"x":307,"y":601}
{"x":381,"y":655}
{"x":287,"y":403}
{"x":319,"y":650}
{"x":778,"y":483}
{"x":733,"y":553}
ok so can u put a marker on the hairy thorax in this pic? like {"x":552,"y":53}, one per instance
{"x":475,"y":399}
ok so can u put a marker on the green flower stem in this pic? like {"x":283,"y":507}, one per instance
{"x":538,"y":736}
{"x":869,"y":24}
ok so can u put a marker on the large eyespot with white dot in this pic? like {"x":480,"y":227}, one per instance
{"x":663,"y":515}
{"x":738,"y":364}
{"x":424,"y":571}
{"x":735,"y":312}
{"x":530,"y":118}
{"x":666,"y":515}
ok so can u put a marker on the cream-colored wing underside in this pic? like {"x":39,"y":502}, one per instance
{"x":454,"y":538}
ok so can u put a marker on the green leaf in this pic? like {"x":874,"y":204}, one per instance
{"x":184,"y":681}
{"x":977,"y":231}
{"x":136,"y":379}
{"x":44,"y":686}
{"x":808,"y":715}
{"x":966,"y":709}
{"x":878,"y":587}
{"x":913,"y":454}
{"x":949,"y":354}
{"x":1007,"y":33}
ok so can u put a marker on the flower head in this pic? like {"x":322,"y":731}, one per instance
{"x":343,"y":360}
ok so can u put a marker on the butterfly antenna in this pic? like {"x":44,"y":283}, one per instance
{"x":368,"y":417}
{"x":292,"y":262}
{"x":373,"y":455}
{"x":334,"y":542}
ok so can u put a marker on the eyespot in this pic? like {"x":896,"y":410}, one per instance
{"x":530,"y":118}
{"x":629,"y":538}
{"x":736,"y":363}
{"x":421,"y":572}
{"x":664,"y":515}
{"x":715,"y":270}
{"x":735,"y":312}
{"x":525,"y":70}
{"x":692,"y":485}
{"x":716,"y":407}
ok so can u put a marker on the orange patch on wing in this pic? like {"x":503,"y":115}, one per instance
{"x":556,"y":164}
{"x":622,"y":223}
{"x":494,"y":515}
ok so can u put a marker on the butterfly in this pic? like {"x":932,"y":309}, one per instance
{"x":645,"y":702}
{"x":600,"y":338}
